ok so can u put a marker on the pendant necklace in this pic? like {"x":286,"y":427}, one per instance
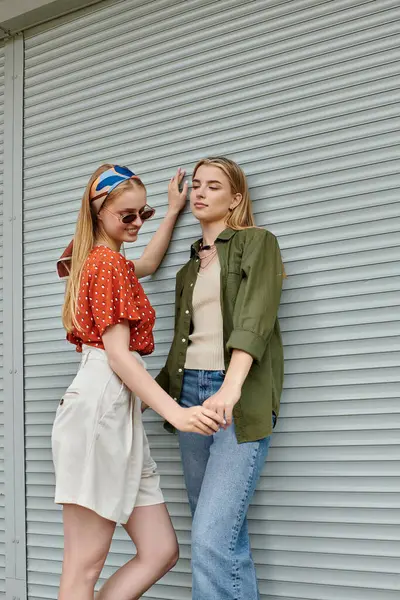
{"x":203,"y":259}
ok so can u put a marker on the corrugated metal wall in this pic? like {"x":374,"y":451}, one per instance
{"x":2,"y":497}
{"x":304,"y":95}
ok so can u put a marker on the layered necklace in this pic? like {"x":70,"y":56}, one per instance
{"x":207,"y":254}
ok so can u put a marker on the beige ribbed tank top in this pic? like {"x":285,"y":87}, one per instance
{"x":206,"y":343}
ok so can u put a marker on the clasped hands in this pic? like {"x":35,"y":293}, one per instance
{"x":223,"y":402}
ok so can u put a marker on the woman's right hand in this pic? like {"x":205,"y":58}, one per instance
{"x":197,"y":419}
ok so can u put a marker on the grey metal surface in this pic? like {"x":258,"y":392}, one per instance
{"x":2,"y":495}
{"x":304,"y":95}
{"x":12,"y":280}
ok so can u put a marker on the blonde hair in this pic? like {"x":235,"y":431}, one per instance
{"x":242,"y":216}
{"x":85,"y":237}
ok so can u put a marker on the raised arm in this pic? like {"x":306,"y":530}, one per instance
{"x":155,"y":250}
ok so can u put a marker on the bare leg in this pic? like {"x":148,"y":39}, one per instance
{"x":151,"y":531}
{"x":87,"y":539}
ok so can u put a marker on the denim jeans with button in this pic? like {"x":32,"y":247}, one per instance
{"x":220,"y":476}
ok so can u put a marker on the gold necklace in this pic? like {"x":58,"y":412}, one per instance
{"x":211,"y":253}
{"x":210,"y":256}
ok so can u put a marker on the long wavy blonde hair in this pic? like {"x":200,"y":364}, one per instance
{"x":86,"y":232}
{"x":240,"y":217}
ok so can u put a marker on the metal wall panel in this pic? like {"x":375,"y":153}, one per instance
{"x":304,"y":95}
{"x":2,"y":495}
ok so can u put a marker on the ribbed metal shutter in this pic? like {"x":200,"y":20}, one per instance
{"x":2,"y":528}
{"x":304,"y":95}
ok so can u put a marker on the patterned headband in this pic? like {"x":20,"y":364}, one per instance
{"x":107,"y":181}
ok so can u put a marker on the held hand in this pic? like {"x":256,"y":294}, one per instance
{"x":223,"y":402}
{"x":197,"y":419}
{"x":177,"y":199}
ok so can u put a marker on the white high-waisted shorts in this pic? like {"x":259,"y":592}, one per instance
{"x":101,"y":454}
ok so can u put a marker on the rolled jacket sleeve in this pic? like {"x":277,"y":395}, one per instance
{"x":257,"y":302}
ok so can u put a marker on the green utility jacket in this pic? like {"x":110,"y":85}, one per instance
{"x":251,"y":284}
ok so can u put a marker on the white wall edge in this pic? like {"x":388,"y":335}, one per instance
{"x":14,"y":422}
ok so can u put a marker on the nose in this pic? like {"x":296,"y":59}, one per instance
{"x":200,"y":193}
{"x":138,"y":218}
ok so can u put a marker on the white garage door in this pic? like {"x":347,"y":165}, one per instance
{"x":304,"y":95}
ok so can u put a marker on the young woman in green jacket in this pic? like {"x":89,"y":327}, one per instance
{"x":226,"y":355}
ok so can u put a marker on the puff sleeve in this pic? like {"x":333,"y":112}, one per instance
{"x":111,"y":295}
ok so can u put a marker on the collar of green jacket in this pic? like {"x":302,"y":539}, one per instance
{"x":225,"y":235}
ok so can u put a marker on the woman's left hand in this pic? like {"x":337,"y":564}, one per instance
{"x":224,"y":401}
{"x":177,"y":198}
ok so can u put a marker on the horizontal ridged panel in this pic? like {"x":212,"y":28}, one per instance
{"x":2,"y":497}
{"x":304,"y":95}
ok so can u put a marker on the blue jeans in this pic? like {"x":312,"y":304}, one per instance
{"x":220,"y":476}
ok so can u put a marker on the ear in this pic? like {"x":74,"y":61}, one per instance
{"x":237,"y":198}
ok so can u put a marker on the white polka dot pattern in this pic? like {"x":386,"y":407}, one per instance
{"x":109,"y":293}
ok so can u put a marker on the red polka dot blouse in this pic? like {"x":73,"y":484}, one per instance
{"x":109,"y":293}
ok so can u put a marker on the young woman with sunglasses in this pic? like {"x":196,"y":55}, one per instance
{"x":228,"y":345}
{"x":104,"y":472}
